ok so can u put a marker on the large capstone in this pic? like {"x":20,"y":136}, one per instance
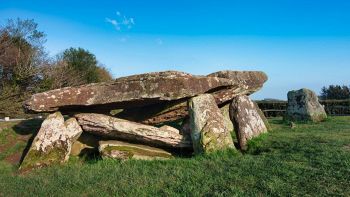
{"x":303,"y":105}
{"x":122,"y":151}
{"x":53,"y":143}
{"x":208,"y":130}
{"x":247,"y":82}
{"x":119,"y":129}
{"x":246,"y":120}
{"x":162,"y":95}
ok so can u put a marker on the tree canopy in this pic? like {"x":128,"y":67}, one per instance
{"x":25,"y":67}
{"x":335,"y":92}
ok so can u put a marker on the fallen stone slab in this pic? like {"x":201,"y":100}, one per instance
{"x":246,"y":120}
{"x":303,"y":105}
{"x":208,"y":130}
{"x":119,"y":129}
{"x":53,"y":143}
{"x":141,"y":90}
{"x":245,"y":83}
{"x":123,"y":151}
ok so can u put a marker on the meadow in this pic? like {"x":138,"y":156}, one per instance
{"x":312,"y":159}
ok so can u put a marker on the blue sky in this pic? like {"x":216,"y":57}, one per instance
{"x":298,"y":43}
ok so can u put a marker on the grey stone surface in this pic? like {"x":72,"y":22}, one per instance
{"x":246,"y":119}
{"x":53,"y":143}
{"x":303,"y":105}
{"x":119,"y":129}
{"x":208,"y":130}
{"x":123,"y":151}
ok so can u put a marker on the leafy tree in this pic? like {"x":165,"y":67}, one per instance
{"x":335,"y":92}
{"x":72,"y":68}
{"x":22,"y":56}
{"x":21,"y":53}
{"x":83,"y":62}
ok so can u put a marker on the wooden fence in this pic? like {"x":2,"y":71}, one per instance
{"x":332,"y":107}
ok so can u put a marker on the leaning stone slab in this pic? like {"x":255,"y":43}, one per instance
{"x":303,"y":105}
{"x":123,"y":151}
{"x":208,"y":130}
{"x":52,"y":144}
{"x":244,"y":83}
{"x":119,"y":129}
{"x":246,"y":120}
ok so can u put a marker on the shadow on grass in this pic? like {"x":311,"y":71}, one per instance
{"x":25,"y":128}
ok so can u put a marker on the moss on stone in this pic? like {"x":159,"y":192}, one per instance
{"x":131,"y":151}
{"x":38,"y":159}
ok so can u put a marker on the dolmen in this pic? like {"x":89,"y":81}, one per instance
{"x":134,"y":116}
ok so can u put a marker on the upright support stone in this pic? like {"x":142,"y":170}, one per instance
{"x":208,"y":130}
{"x":246,"y":120}
{"x":53,"y":143}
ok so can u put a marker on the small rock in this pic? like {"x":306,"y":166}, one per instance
{"x":292,"y":125}
{"x":123,"y":151}
{"x":208,"y":130}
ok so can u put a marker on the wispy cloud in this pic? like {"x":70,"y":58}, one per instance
{"x":121,"y":21}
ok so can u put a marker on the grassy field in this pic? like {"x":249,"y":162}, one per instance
{"x":310,"y":160}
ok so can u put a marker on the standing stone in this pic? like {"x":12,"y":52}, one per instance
{"x":303,"y":105}
{"x":123,"y":151}
{"x":53,"y":143}
{"x":208,"y":130}
{"x":246,"y":120}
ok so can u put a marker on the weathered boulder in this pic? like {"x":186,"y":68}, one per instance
{"x":170,"y":89}
{"x":52,"y":144}
{"x":246,"y":120}
{"x":208,"y":130}
{"x":123,"y":151}
{"x":303,"y":105}
{"x":119,"y":129}
{"x":245,"y":82}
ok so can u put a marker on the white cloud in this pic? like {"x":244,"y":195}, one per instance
{"x":121,"y":21}
{"x":114,"y":23}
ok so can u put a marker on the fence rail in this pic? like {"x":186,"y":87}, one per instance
{"x":332,"y":107}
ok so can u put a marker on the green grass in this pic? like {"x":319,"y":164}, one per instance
{"x":309,"y":160}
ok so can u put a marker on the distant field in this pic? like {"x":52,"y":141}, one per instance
{"x":312,"y":159}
